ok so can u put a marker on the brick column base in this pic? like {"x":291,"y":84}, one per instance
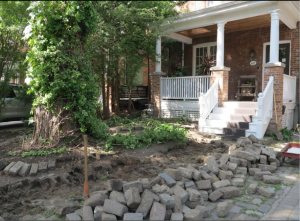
{"x":277,"y":72}
{"x":155,"y":91}
{"x":222,"y":74}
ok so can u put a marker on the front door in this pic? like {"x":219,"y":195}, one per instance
{"x":284,"y":56}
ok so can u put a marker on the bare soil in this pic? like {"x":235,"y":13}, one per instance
{"x":126,"y":164}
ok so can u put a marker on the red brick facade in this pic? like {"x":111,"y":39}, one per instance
{"x":238,"y":46}
{"x":222,"y":76}
{"x":277,"y":73}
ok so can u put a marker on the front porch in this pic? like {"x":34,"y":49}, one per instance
{"x":243,"y":43}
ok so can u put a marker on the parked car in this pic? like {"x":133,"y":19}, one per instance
{"x":16,"y":108}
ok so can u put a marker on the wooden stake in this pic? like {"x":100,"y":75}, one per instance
{"x":86,"y":184}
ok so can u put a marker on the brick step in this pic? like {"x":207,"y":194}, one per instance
{"x":234,"y":131}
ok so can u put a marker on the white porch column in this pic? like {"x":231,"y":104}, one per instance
{"x":274,"y":37}
{"x":220,"y":44}
{"x":158,"y":55}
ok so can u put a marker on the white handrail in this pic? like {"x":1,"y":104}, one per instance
{"x":289,"y":88}
{"x":207,"y":102}
{"x":265,"y":108}
{"x":184,"y":87}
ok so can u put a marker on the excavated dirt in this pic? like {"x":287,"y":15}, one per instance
{"x":126,"y":164}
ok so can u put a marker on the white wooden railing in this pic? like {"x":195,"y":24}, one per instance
{"x":207,"y":102}
{"x":289,"y":88}
{"x":184,"y":87}
{"x":265,"y":108}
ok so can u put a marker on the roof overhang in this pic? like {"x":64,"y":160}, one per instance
{"x":231,"y":11}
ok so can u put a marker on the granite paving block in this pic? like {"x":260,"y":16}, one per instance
{"x":246,"y":205}
{"x":256,"y":201}
{"x":14,"y":170}
{"x":25,"y":169}
{"x":34,"y":169}
{"x":236,"y":209}
{"x":43,"y":167}
{"x":6,"y":170}
{"x":264,"y":208}
{"x":51,"y":164}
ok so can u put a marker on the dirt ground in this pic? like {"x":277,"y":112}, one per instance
{"x":126,"y":164}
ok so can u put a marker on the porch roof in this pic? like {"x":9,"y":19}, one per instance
{"x":238,"y":14}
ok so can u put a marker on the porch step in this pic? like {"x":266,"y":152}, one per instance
{"x":232,"y":120}
{"x":213,"y":130}
{"x":223,"y":110}
{"x":235,"y":131}
{"x":238,"y":124}
{"x":240,"y":104}
{"x":231,"y":117}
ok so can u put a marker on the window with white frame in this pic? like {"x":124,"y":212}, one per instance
{"x":202,"y":54}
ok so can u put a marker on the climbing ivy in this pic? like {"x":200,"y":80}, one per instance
{"x":58,"y":63}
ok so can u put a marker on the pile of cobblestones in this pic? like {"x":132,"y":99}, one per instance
{"x":181,"y":193}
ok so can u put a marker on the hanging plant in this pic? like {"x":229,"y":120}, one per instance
{"x":207,"y":61}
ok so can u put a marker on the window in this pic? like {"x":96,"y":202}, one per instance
{"x":200,"y":52}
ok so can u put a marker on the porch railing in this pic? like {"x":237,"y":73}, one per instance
{"x":289,"y":88}
{"x":207,"y":102}
{"x":265,"y":108}
{"x":184,"y":87}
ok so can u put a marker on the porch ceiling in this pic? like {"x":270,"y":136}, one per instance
{"x":233,"y":26}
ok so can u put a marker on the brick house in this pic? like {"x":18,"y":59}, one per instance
{"x":254,"y":43}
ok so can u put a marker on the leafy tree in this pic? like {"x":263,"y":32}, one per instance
{"x":13,"y":19}
{"x":126,"y":33}
{"x":60,"y":69}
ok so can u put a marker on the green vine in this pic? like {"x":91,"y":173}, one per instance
{"x":58,"y":64}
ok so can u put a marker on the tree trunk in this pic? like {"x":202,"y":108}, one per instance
{"x":116,"y":101}
{"x":48,"y":126}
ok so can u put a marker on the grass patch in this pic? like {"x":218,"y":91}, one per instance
{"x":43,"y":152}
{"x":253,"y":214}
{"x":47,"y":213}
{"x":104,"y":178}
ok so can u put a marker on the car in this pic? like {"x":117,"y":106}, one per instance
{"x":16,"y":108}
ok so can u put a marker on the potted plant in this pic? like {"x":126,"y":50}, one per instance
{"x":207,"y":61}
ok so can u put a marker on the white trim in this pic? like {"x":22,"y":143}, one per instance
{"x":230,"y":11}
{"x":208,"y":44}
{"x":264,"y":58}
{"x":179,"y":37}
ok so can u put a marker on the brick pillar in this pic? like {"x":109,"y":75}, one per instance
{"x":155,"y":91}
{"x":222,"y":74}
{"x":277,"y":72}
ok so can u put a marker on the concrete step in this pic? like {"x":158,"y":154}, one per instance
{"x":241,"y":117}
{"x":240,"y":104}
{"x":234,"y":131}
{"x":216,"y":123}
{"x":223,"y":110}
{"x":252,"y":126}
{"x":238,"y":124}
{"x":214,"y":116}
{"x":214,"y":130}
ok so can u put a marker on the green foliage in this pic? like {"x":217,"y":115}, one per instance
{"x":59,"y":67}
{"x":10,"y":153}
{"x":13,"y":19}
{"x":183,"y":119}
{"x":287,"y":134}
{"x":273,"y":135}
{"x":43,"y":152}
{"x":155,"y":132}
{"x":116,"y":120}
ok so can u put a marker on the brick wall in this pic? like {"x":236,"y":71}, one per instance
{"x":277,"y":73}
{"x":238,"y":46}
